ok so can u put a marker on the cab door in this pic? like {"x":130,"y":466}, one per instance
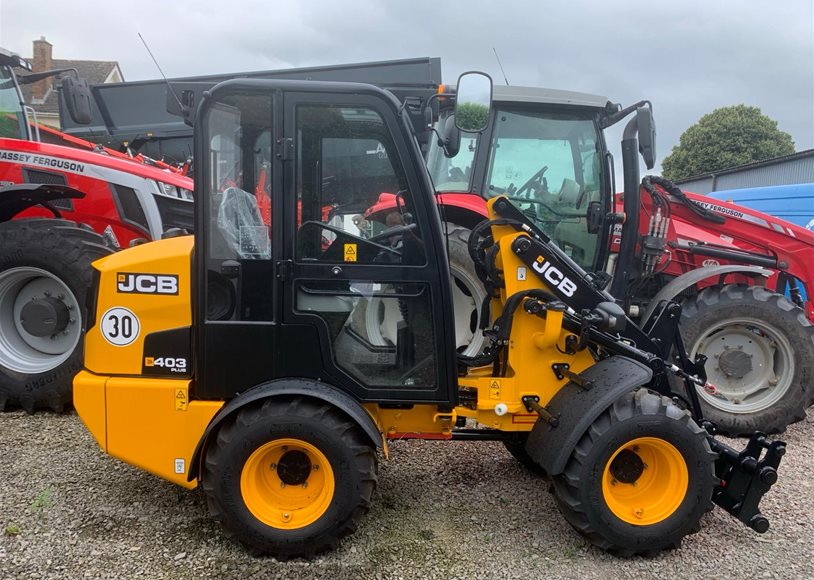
{"x":237,"y":189}
{"x":365,"y":270}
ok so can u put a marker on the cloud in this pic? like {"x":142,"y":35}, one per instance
{"x":688,"y":58}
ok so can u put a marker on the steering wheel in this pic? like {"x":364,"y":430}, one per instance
{"x":536,"y":184}
{"x":373,"y":241}
{"x":394,"y":231}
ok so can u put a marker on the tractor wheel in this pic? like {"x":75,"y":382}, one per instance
{"x":640,"y":478}
{"x":517,"y":448}
{"x":45,"y":275}
{"x":376,"y":320}
{"x":468,"y":292}
{"x":760,"y":357}
{"x":289,"y":478}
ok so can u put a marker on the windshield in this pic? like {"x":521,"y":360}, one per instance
{"x":452,"y":173}
{"x":548,"y":164}
{"x":12,"y":117}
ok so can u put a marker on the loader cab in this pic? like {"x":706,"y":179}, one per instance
{"x":291,"y":279}
{"x":545,"y":150}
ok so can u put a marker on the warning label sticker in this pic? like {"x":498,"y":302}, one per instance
{"x":180,"y":399}
{"x":350,"y":253}
{"x":494,"y":389}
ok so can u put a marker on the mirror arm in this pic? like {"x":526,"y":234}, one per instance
{"x":614,"y":118}
{"x":33,"y":78}
{"x":441,"y":141}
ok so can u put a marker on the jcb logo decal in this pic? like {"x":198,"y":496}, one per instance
{"x":127,"y":283}
{"x":553,"y":275}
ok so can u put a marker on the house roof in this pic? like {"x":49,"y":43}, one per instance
{"x":96,"y":72}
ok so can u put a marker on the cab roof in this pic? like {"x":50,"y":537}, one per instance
{"x":504,"y":94}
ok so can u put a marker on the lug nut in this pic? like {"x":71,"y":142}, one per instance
{"x":274,"y":466}
{"x":638,"y":512}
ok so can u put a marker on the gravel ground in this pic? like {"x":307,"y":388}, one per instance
{"x":442,"y":510}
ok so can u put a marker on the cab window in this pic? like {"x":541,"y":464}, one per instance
{"x":353,"y":203}
{"x":549,"y":166}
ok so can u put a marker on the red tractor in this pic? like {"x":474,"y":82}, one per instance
{"x":731,"y":268}
{"x":62,"y":206}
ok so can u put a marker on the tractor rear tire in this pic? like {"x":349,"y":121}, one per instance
{"x":752,"y":337}
{"x":640,"y":478}
{"x":289,"y":478}
{"x":47,"y":260}
{"x":468,"y":292}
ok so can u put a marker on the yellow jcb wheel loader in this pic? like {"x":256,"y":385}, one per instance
{"x":261,"y":360}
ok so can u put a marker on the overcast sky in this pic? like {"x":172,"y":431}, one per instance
{"x":688,"y":57}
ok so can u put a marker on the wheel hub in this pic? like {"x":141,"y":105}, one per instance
{"x":294,"y":468}
{"x":735,"y":363}
{"x":627,"y":467}
{"x":44,"y":317}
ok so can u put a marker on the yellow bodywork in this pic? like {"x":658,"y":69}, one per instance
{"x":139,"y":421}
{"x":155,"y":424}
{"x":154,"y":311}
{"x":148,"y":422}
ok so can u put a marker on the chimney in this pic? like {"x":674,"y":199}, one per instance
{"x":41,"y":62}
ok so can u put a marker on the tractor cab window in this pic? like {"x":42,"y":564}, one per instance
{"x":549,"y":166}
{"x":353,"y":203}
{"x":12,"y":117}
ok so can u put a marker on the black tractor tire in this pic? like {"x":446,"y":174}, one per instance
{"x":641,"y":418}
{"x":779,"y":334}
{"x":59,"y":252}
{"x":305,"y":426}
{"x":517,"y":449}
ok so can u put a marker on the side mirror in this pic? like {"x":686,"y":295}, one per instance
{"x":473,"y":101}
{"x":647,"y":135}
{"x":77,"y":99}
{"x":451,"y":137}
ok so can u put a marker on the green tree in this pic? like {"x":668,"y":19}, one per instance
{"x":472,"y":116}
{"x":724,"y":138}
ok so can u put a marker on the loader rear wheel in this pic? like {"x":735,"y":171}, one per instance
{"x":45,"y":275}
{"x":640,"y":478}
{"x":289,"y":478}
{"x":760,"y":351}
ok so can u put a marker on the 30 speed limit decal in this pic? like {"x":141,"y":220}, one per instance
{"x":120,"y":326}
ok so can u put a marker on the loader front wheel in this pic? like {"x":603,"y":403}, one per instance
{"x":640,"y":478}
{"x":289,"y":478}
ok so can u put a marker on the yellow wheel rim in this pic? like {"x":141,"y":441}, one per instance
{"x":645,"y":481}
{"x":287,"y":484}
